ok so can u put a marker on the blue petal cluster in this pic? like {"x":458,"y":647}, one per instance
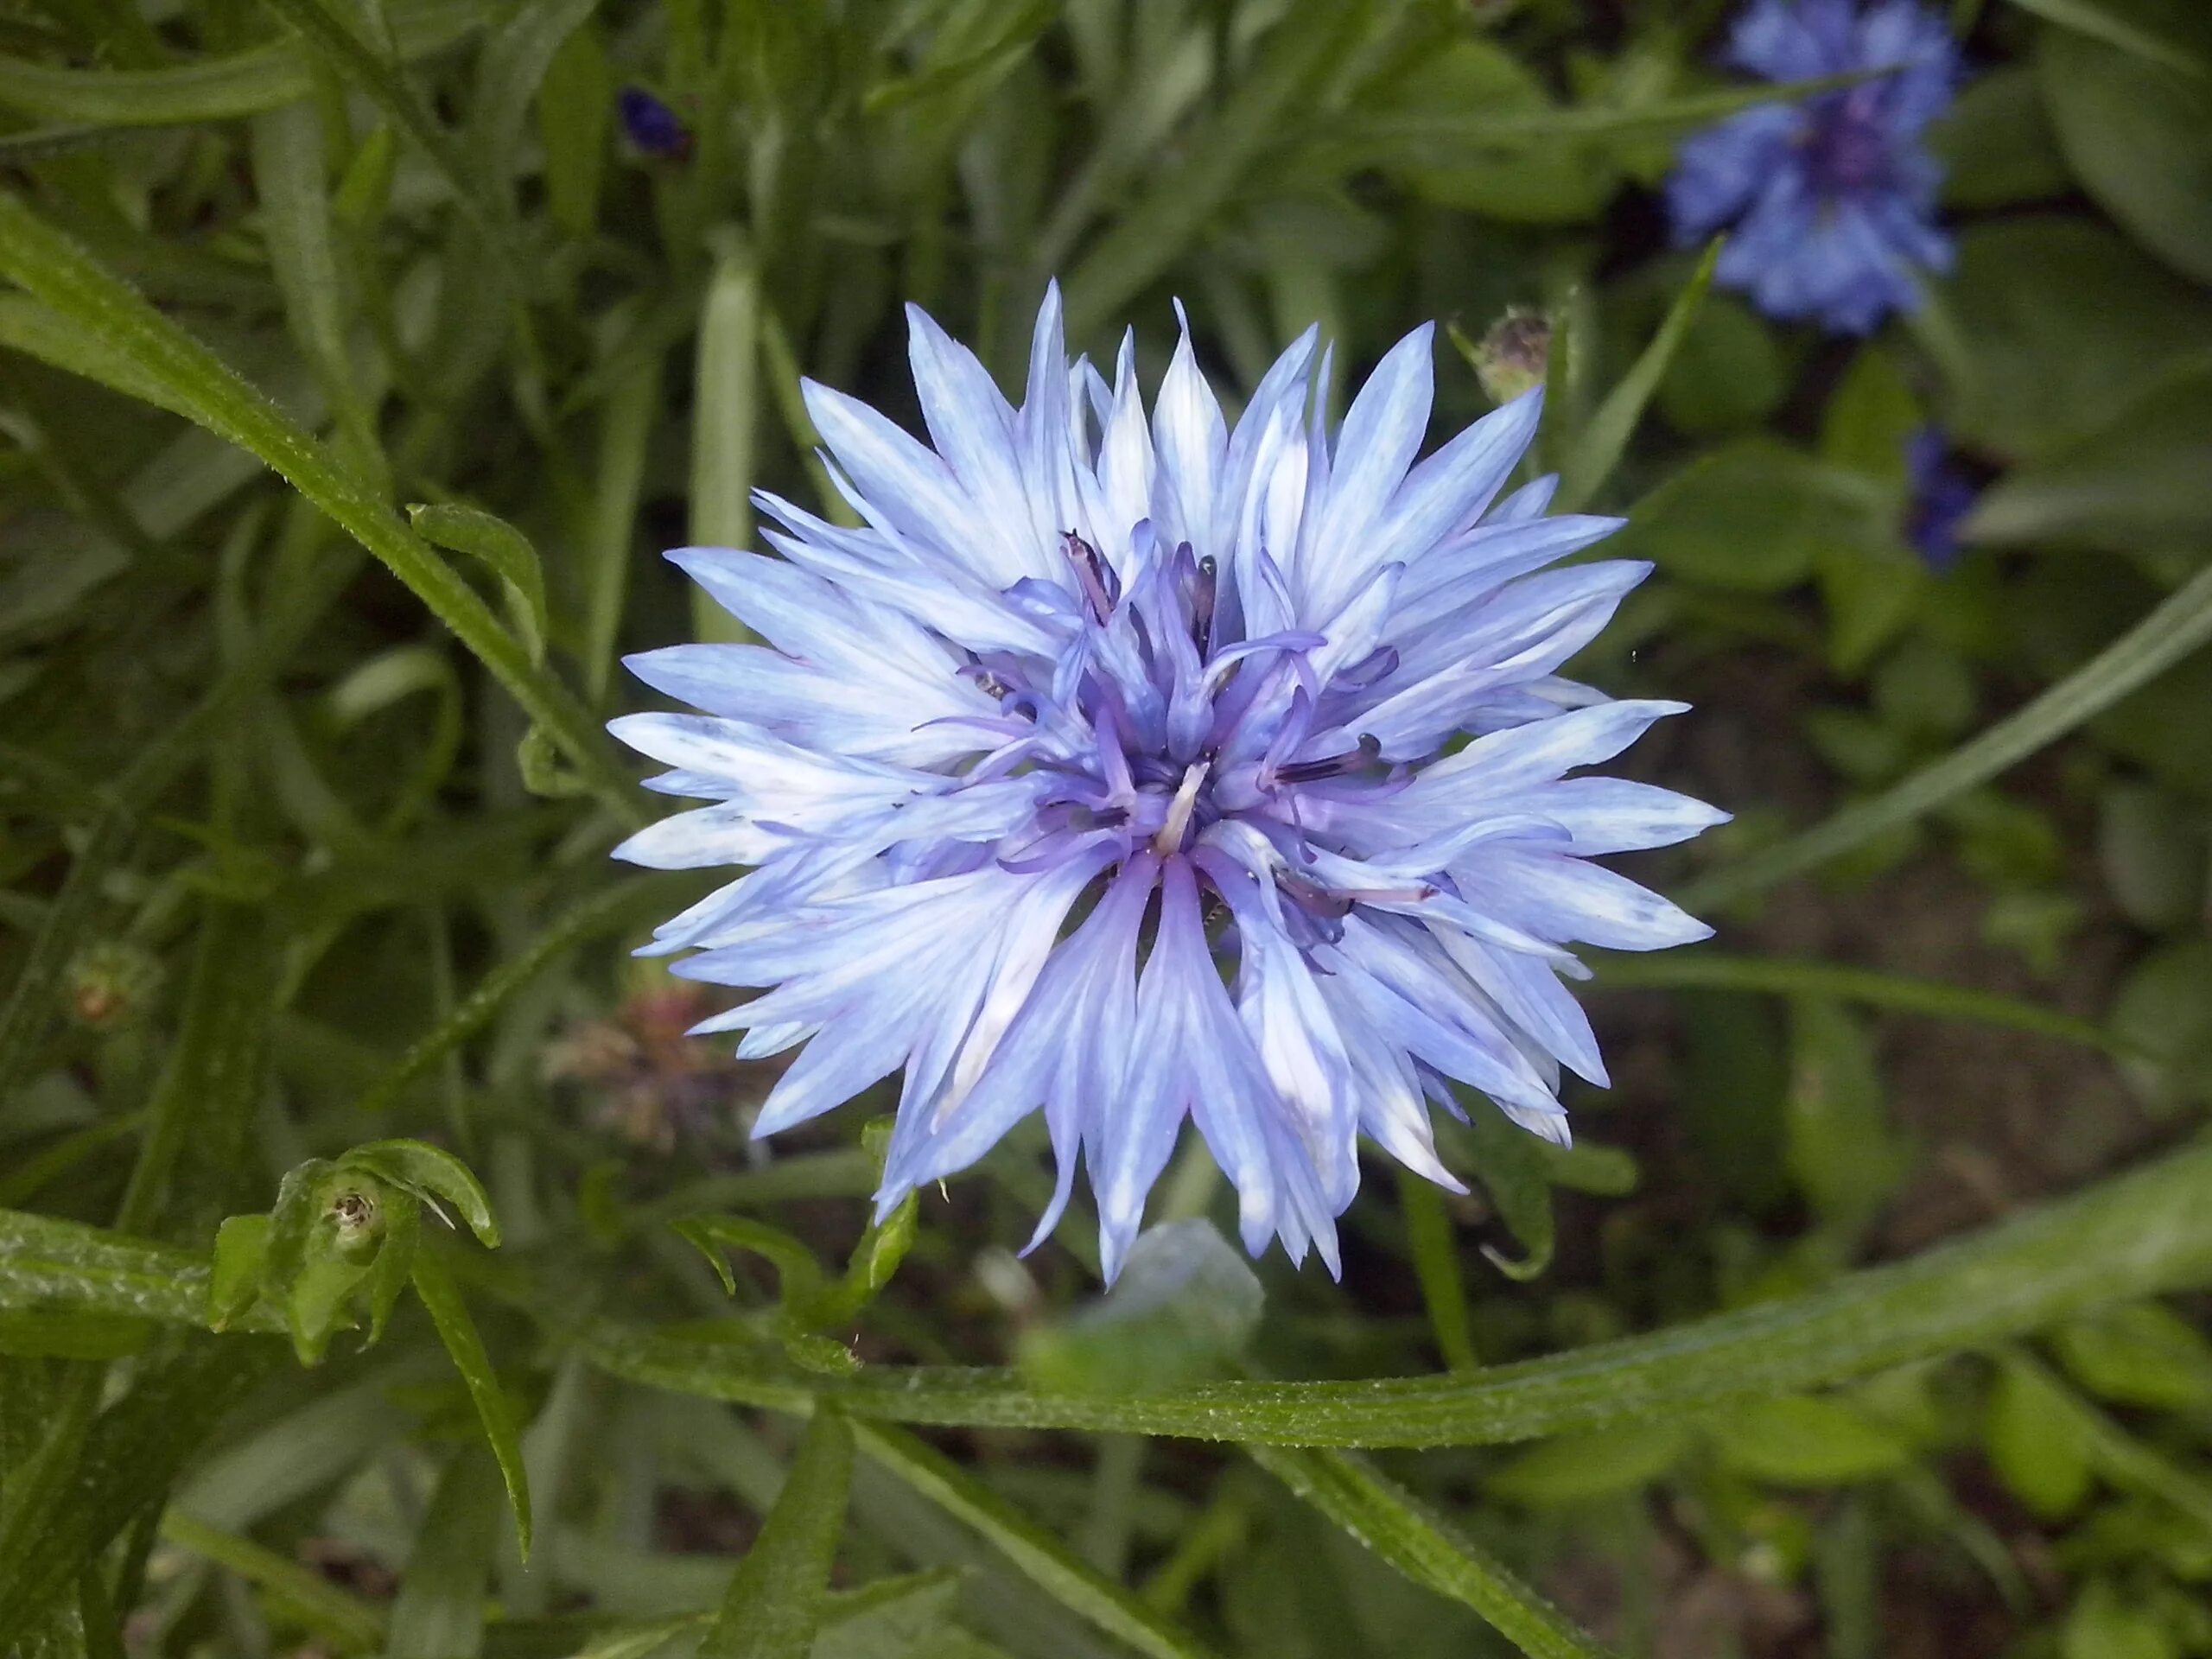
{"x":1137,"y":767}
{"x":1833,"y":198}
{"x":1939,"y":495}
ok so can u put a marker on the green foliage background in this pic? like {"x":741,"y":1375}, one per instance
{"x":380,"y":1271}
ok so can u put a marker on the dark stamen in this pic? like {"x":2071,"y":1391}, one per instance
{"x":1202,"y":595}
{"x":1335,"y":766}
{"x":1311,"y":896}
{"x":1092,"y":573}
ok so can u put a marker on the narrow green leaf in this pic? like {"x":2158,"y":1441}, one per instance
{"x":510,"y":70}
{"x":1598,"y":447}
{"x":2127,"y":1236}
{"x":240,"y":1264}
{"x":202,"y":1111}
{"x":295,"y":225}
{"x":1421,"y":1544}
{"x":47,"y":1263}
{"x":1436,"y":1265}
{"x":609,"y":910}
{"x":1042,"y":1558}
{"x":2037,"y":1441}
{"x":1485,"y":129}
{"x":1573,"y":1468}
{"x":782,"y":365}
{"x":433,"y":1175}
{"x":194,"y":382}
{"x":2101,"y":23}
{"x":625,"y":424}
{"x":131,"y":1455}
{"x":442,"y":1299}
{"x":505,"y":550}
{"x":723,"y":420}
{"x":774,"y":1604}
{"x":1185,"y":1307}
{"x":2180,"y":623}
{"x":1805,"y":1441}
{"x":1514,"y":1170}
{"x":2119,"y":1457}
{"x":302,"y":1200}
{"x":1788,"y":976}
{"x":214,"y":89}
{"x":796,"y":1267}
{"x":2138,"y":1354}
{"x":394,"y":1267}
{"x":439,"y":1613}
{"x":332,"y":38}
{"x":1307,"y":45}
{"x":44,"y":1335}
{"x":28,"y":1176}
{"x":310,"y":1448}
{"x":1839,"y":1148}
{"x":39,"y":331}
{"x":350,"y":1624}
{"x":575,"y":106}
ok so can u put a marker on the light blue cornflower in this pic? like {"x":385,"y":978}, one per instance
{"x":1832,"y":197}
{"x":1099,"y":708}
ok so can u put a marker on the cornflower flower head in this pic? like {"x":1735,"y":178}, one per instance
{"x":1832,"y":197}
{"x":1136,"y":768}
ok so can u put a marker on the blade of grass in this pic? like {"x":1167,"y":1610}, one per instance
{"x":1043,"y":1558}
{"x":217,"y":89}
{"x":353,"y":62}
{"x":1598,"y":446}
{"x":724,"y":409}
{"x":1714,"y":970}
{"x":1403,"y":1531}
{"x":2099,"y":23}
{"x":192,"y":382}
{"x":2119,"y":1456}
{"x":325,"y":1608}
{"x":2179,"y":624}
{"x":449,"y":1313}
{"x":1296,"y":55}
{"x":782,"y":365}
{"x":296,"y":225}
{"x":1436,"y":1265}
{"x":776,"y":1596}
{"x":133,"y":1453}
{"x":33,"y":1003}
{"x":621,"y":904}
{"x":625,"y":424}
{"x":207,"y":1095}
{"x":439,"y":1609}
{"x":1480,"y":129}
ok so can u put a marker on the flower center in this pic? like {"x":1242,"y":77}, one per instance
{"x":1848,"y":147}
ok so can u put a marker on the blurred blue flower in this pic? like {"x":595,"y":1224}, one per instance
{"x":651,"y":126}
{"x":1097,"y":706}
{"x":1939,"y":495}
{"x":1832,"y":197}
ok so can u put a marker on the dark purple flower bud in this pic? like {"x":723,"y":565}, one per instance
{"x":652,"y":126}
{"x":1943,"y":493}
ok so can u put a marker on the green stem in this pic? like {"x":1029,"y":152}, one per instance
{"x":2134,"y":1235}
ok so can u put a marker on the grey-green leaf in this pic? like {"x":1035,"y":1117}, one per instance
{"x":774,"y":1603}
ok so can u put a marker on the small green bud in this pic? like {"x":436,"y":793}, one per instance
{"x":356,"y":1221}
{"x":1515,"y":355}
{"x":111,"y":983}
